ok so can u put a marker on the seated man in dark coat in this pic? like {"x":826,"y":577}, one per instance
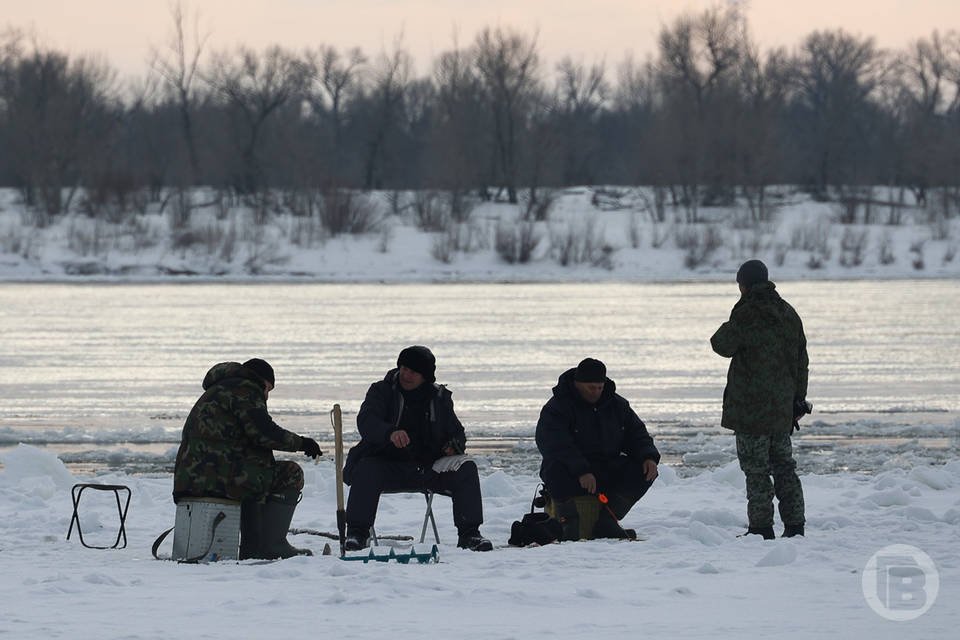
{"x":226,"y":451}
{"x":593,"y":444}
{"x":408,"y":430}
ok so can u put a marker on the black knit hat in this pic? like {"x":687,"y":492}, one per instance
{"x":752,"y":272}
{"x":420,"y":359}
{"x":590,"y":370}
{"x":262,"y":368}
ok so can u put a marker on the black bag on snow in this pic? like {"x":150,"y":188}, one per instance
{"x":535,"y":527}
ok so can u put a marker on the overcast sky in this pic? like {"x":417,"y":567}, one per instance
{"x":123,"y":30}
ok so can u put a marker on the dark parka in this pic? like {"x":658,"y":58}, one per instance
{"x":578,"y":436}
{"x":226,"y":449}
{"x":768,"y":370}
{"x":380,"y":414}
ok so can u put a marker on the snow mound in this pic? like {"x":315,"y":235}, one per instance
{"x":891,"y":498}
{"x":28,"y":462}
{"x":707,"y":535}
{"x":932,"y":477}
{"x":782,"y":554}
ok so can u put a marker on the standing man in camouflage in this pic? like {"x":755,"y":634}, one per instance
{"x":226,"y":451}
{"x":765,"y":397}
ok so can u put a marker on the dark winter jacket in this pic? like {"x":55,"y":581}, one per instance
{"x":226,"y":449}
{"x":768,"y":371}
{"x":579,"y":437}
{"x":380,"y":415}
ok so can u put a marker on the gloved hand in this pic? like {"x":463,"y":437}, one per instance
{"x":800,"y":408}
{"x":311,"y":448}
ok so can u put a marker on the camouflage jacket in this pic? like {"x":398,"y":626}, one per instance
{"x":226,"y":449}
{"x":768,"y":371}
{"x":579,"y":437}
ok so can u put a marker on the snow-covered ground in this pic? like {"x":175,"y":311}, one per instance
{"x":600,"y":233}
{"x":691,"y":578}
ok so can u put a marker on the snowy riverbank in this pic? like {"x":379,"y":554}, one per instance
{"x":591,"y":234}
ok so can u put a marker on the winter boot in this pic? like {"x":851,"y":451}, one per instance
{"x":277,"y":513}
{"x":609,"y":527}
{"x":356,"y":538}
{"x":766,"y":532}
{"x":251,"y":515}
{"x":791,"y":530}
{"x":472,"y":540}
{"x":569,"y":518}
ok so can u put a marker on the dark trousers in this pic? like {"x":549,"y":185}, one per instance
{"x":372,"y":476}
{"x":621,"y":477}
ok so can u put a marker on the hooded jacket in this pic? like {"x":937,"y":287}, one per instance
{"x":579,"y":437}
{"x":380,"y":416}
{"x":769,"y":366}
{"x":226,"y":448}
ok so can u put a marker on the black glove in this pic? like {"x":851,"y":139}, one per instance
{"x":311,"y":448}
{"x":800,"y":408}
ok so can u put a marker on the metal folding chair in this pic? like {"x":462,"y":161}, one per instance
{"x":77,"y":492}
{"x":427,"y":517}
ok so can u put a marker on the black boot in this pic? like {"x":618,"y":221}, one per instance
{"x":609,"y":527}
{"x":471,"y":539}
{"x":250,"y":523}
{"x":277,"y":514}
{"x":356,"y":537}
{"x":569,"y":519}
{"x":791,"y":530}
{"x":766,"y":532}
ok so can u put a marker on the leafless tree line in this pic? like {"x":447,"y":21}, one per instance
{"x":709,"y":119}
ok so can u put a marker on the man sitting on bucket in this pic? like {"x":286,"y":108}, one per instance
{"x":226,"y":451}
{"x":598,"y":459}
{"x":411,"y":440}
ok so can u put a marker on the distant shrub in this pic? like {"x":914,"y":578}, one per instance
{"x":515,"y":243}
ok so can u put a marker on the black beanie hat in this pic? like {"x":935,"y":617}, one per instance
{"x":420,"y":359}
{"x":590,"y":370}
{"x":262,"y":368}
{"x":752,"y":272}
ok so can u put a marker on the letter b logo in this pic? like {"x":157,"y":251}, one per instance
{"x":900,"y":582}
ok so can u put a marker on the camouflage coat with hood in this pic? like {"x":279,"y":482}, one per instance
{"x":768,"y":368}
{"x":226,"y":449}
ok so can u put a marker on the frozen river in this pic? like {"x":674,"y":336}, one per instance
{"x":105,"y":374}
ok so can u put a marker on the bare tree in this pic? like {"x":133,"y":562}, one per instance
{"x":254,"y":86}
{"x":456,"y":142}
{"x":925,"y":95}
{"x":60,"y":116}
{"x":582,"y":92}
{"x":331,"y":78}
{"x":177,"y":63}
{"x":384,"y":106}
{"x":765,"y":85}
{"x":509,"y":66}
{"x":837,"y":73}
{"x":699,"y":57}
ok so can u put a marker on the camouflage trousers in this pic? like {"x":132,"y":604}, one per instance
{"x":760,"y":458}
{"x":287,"y":475}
